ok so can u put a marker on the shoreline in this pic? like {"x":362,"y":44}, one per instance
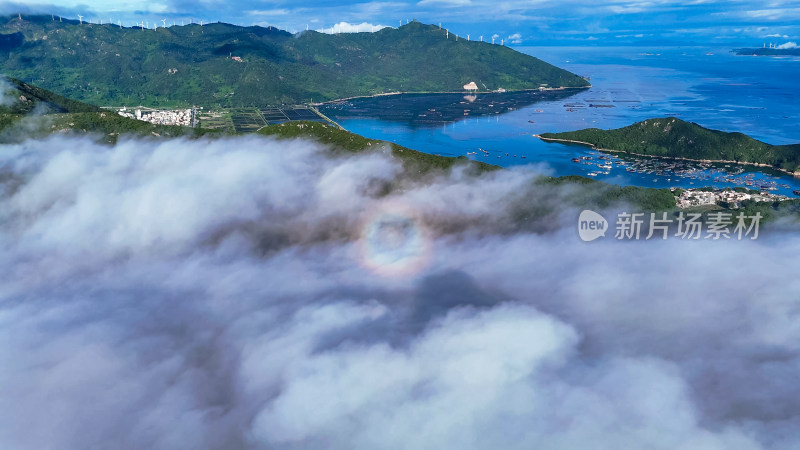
{"x":594,"y":147}
{"x":386,"y":94}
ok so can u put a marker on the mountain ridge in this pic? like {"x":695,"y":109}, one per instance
{"x":224,"y":65}
{"x":671,"y":137}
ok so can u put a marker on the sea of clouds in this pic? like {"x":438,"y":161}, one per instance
{"x":225,"y":295}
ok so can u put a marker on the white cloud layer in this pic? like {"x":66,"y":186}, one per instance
{"x":345,"y":27}
{"x":6,"y":99}
{"x":193,"y":294}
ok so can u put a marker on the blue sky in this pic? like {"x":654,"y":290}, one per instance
{"x":518,"y":22}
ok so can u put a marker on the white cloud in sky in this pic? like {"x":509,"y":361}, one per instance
{"x":515,"y":38}
{"x":269,"y":12}
{"x":346,"y":27}
{"x":445,"y":2}
{"x":787,"y":45}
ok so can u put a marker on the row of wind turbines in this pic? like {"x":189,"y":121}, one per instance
{"x":146,"y":25}
{"x":375,"y":28}
{"x":143,"y":24}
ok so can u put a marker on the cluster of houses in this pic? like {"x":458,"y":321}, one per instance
{"x":696,"y":197}
{"x":181,"y":117}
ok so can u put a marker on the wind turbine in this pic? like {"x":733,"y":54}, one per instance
{"x":481,"y":38}
{"x":467,"y":37}
{"x":119,"y":22}
{"x":164,"y":23}
{"x":80,"y":19}
{"x":492,"y":40}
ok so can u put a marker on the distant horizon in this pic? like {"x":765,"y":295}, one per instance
{"x":360,"y":28}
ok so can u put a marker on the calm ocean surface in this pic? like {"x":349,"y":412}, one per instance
{"x":757,"y":96}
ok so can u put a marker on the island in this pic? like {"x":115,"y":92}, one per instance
{"x":670,"y":137}
{"x":768,"y":51}
{"x":224,"y":65}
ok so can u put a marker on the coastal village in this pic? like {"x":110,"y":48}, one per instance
{"x":734,"y":199}
{"x":181,"y":117}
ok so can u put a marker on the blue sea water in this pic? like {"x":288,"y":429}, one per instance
{"x":715,"y":88}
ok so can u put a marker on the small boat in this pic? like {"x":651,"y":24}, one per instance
{"x":577,"y":160}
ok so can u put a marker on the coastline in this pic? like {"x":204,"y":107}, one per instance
{"x":594,"y":147}
{"x":386,"y":94}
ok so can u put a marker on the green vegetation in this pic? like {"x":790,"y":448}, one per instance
{"x":193,"y":65}
{"x":414,"y":161}
{"x":31,"y":111}
{"x":24,"y":98}
{"x":589,"y":193}
{"x":675,"y":138}
{"x":107,"y":125}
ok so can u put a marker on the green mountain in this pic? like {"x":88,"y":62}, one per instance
{"x":671,"y":137}
{"x":193,"y":64}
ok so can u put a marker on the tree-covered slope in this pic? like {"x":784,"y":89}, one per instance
{"x":676,"y":138}
{"x":414,"y":161}
{"x":28,"y":111}
{"x":22,"y":98}
{"x":192,"y":64}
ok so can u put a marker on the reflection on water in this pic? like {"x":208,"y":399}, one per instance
{"x":715,"y":89}
{"x":427,"y":110}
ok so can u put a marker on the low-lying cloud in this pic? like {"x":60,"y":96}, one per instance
{"x":6,"y":98}
{"x":224,"y":294}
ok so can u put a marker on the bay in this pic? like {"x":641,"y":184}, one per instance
{"x":710,"y":86}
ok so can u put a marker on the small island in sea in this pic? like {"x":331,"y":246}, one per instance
{"x":768,"y":51}
{"x":671,"y":137}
